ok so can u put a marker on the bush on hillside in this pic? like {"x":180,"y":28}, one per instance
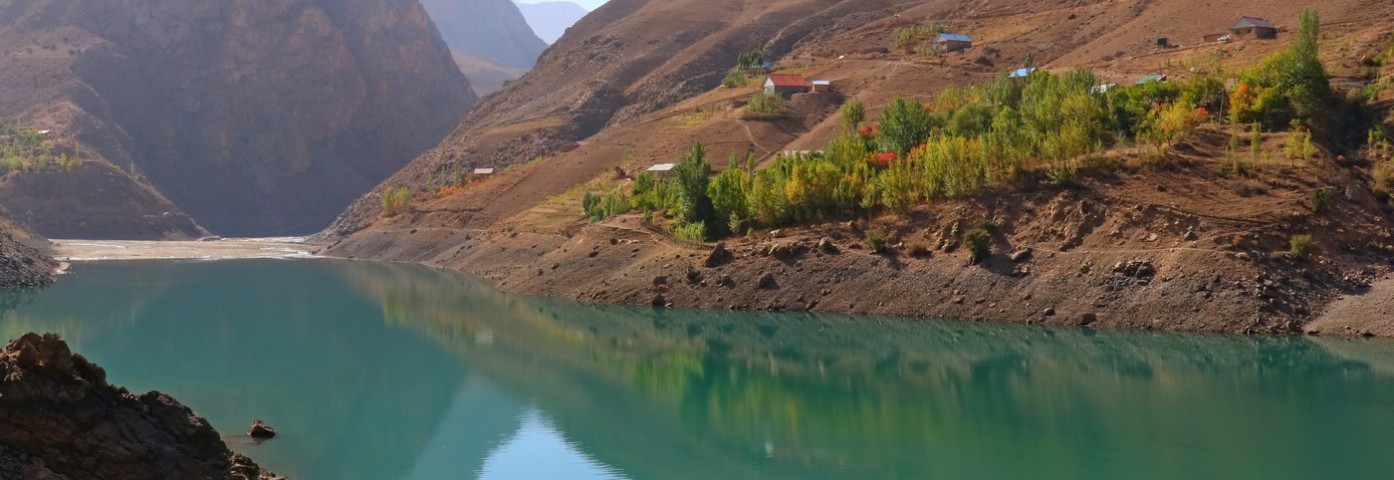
{"x":764,"y":105}
{"x":395,"y":201}
{"x":1303,"y":247}
{"x":979,"y":243}
{"x":1323,"y":199}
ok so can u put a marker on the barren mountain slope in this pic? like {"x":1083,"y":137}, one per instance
{"x":255,"y":117}
{"x":637,"y":82}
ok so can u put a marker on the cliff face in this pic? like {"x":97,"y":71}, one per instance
{"x":493,"y":30}
{"x":59,"y":419}
{"x":256,"y":117}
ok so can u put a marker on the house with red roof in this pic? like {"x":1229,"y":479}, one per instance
{"x":786,"y":85}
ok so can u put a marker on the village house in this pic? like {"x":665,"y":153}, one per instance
{"x":952,"y":42}
{"x":662,"y":170}
{"x":786,"y":85}
{"x":1254,"y":27}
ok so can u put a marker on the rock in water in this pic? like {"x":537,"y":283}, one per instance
{"x":261,"y":430}
{"x":58,"y":415}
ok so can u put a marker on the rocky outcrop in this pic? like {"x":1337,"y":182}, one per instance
{"x":488,"y":29}
{"x":59,"y":419}
{"x":22,"y":265}
{"x":254,"y":117}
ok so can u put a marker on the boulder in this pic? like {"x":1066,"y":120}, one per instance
{"x":261,"y":430}
{"x":718,"y":256}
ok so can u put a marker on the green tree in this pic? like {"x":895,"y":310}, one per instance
{"x":853,"y":114}
{"x":751,"y":59}
{"x":728,"y":193}
{"x":904,"y":124}
{"x":691,"y":176}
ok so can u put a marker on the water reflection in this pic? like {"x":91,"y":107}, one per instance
{"x":681,"y":394}
{"x":388,"y":371}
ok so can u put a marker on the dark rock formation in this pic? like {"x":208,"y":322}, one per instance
{"x":59,"y":419}
{"x":261,"y":430}
{"x":22,"y":265}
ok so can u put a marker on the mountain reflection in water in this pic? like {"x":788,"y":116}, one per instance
{"x":379,"y":371}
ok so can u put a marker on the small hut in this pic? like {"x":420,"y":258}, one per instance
{"x":952,"y":42}
{"x":1254,"y":27}
{"x":662,"y":169}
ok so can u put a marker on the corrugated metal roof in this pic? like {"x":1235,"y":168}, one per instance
{"x":1023,"y":72}
{"x":789,"y":81}
{"x":483,"y":171}
{"x":953,"y":37}
{"x":1152,"y":78}
{"x":662,"y":167}
{"x":1247,"y":22}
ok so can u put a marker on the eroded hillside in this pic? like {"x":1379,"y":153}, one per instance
{"x":636,"y":83}
{"x":252,"y":117}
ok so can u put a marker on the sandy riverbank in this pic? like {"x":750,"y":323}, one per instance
{"x":88,"y":250}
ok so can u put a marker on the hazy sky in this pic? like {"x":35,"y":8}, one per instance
{"x":587,"y":4}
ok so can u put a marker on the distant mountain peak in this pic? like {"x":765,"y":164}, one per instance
{"x":551,"y":19}
{"x":493,"y":30}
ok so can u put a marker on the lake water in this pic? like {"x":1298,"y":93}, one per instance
{"x":398,"y":372}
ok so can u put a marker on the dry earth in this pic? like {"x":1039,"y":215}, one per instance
{"x":1184,"y":244}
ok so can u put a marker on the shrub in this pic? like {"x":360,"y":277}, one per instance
{"x":1323,"y":199}
{"x":590,"y":204}
{"x":764,"y":105}
{"x":979,"y":243}
{"x":395,"y":201}
{"x":1303,"y":247}
{"x":876,"y":240}
{"x":690,"y":232}
{"x":735,"y":79}
{"x":919,"y":250}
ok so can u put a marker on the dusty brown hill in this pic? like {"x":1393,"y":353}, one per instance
{"x":636,"y":82}
{"x":254,"y":117}
{"x":59,"y":419}
{"x":486,"y":76}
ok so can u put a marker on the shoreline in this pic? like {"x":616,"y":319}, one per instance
{"x":817,"y":282}
{"x":69,"y":251}
{"x":601,"y":264}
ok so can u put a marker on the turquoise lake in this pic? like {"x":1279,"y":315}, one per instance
{"x":398,"y":372}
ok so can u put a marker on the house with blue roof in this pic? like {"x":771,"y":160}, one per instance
{"x":1022,"y":72}
{"x":952,"y":42}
